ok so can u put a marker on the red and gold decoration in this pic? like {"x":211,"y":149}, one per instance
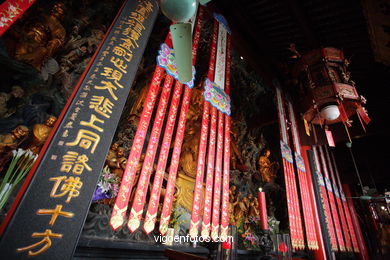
{"x":10,"y":11}
{"x":119,"y":211}
{"x":294,"y":215}
{"x":324,"y":200}
{"x":216,"y":106}
{"x":337,"y":194}
{"x":329,"y":94}
{"x":332,"y":199}
{"x":351,"y":231}
{"x":312,"y":241}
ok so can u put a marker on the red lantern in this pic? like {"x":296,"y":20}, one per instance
{"x":329,"y":95}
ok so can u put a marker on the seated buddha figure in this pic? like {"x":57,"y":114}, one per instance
{"x":41,"y":40}
{"x":40,"y":134}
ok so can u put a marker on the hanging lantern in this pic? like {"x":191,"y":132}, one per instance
{"x":329,"y":95}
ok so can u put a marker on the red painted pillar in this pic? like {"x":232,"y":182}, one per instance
{"x":363,"y":254}
{"x":320,"y":253}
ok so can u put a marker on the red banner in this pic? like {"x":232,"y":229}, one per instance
{"x":226,"y":155}
{"x":217,"y":179}
{"x":209,"y":175}
{"x":196,"y":205}
{"x":332,"y":201}
{"x":336,"y":191}
{"x":297,"y":237}
{"x":122,"y":199}
{"x":348,"y":219}
{"x":10,"y":11}
{"x":147,"y":167}
{"x":324,"y":201}
{"x":170,"y":189}
{"x":151,"y":214}
{"x":305,"y":195}
{"x":355,"y":222}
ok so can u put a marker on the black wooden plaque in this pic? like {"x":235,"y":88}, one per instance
{"x":50,"y":216}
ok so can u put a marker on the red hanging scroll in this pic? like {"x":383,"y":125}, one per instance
{"x":226,"y":155}
{"x":219,"y":79}
{"x":297,"y":238}
{"x":170,"y":189}
{"x":196,"y":205}
{"x":122,"y":199}
{"x":324,"y":201}
{"x":209,"y":175}
{"x":355,"y":246}
{"x":10,"y":11}
{"x":337,"y":194}
{"x":305,"y":194}
{"x":353,"y":216}
{"x":217,"y":179}
{"x":332,"y":200}
{"x":147,"y":167}
{"x":151,"y":214}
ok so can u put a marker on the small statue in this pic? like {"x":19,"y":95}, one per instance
{"x":233,"y":201}
{"x":6,"y":100}
{"x":232,"y":192}
{"x":117,"y":163}
{"x":235,"y":153}
{"x":41,"y":133}
{"x":112,"y":152}
{"x":266,"y":168}
{"x":42,"y":40}
{"x":254,"y":208}
{"x":9,"y":142}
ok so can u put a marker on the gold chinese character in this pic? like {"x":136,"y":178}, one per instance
{"x":55,"y":213}
{"x":68,"y":161}
{"x":119,"y":63}
{"x":128,"y":56}
{"x":138,"y":28}
{"x":83,"y":94}
{"x":73,"y":116}
{"x":65,"y":133}
{"x":71,"y":187}
{"x":103,"y":106}
{"x":145,"y":8}
{"x":69,"y":125}
{"x":138,"y":17}
{"x":74,"y":160}
{"x":46,"y":241}
{"x":110,"y":88}
{"x":91,"y":123}
{"x":85,"y":139}
{"x":113,"y":74}
{"x":127,"y":43}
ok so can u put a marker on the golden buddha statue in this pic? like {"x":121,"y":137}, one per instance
{"x":40,"y":42}
{"x":117,"y":163}
{"x":40,"y":134}
{"x":31,"y":47}
{"x":267,"y":169}
{"x":57,"y":31}
{"x":11,"y":141}
{"x":112,"y":152}
{"x":254,"y":208}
